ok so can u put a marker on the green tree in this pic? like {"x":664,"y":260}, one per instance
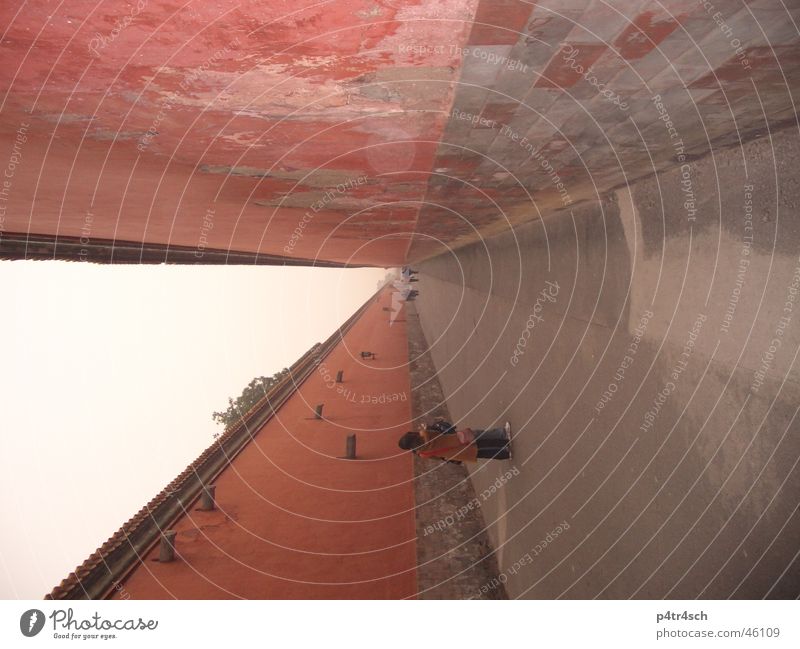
{"x":254,"y":391}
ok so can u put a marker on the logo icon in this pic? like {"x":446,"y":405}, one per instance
{"x":31,"y":622}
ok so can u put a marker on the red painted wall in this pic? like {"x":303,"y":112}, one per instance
{"x":294,"y":520}
{"x":146,"y":115}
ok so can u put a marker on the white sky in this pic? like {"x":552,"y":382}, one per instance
{"x":109,"y":376}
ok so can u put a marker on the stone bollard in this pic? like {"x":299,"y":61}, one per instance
{"x":207,"y":503}
{"x":166,"y":551}
{"x":350,"y":448}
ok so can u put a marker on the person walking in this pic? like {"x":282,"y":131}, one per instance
{"x":441,"y":440}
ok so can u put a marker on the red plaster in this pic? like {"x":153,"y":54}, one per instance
{"x":290,"y":508}
{"x":767,"y":65}
{"x":500,"y":22}
{"x":646,"y":32}
{"x":298,"y":85}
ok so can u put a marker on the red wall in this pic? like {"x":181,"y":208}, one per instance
{"x":134,"y":118}
{"x":294,"y":520}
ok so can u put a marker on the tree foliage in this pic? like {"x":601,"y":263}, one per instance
{"x":254,"y":391}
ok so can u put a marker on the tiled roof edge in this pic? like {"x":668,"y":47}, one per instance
{"x":101,"y":572}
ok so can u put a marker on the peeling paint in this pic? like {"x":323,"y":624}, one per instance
{"x":306,"y":96}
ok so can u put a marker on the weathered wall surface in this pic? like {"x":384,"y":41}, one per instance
{"x":574,"y":97}
{"x":233,"y":121}
{"x":338,"y":129}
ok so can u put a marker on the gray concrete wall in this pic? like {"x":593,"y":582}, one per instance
{"x":692,"y":493}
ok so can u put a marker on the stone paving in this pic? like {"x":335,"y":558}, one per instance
{"x":645,"y":352}
{"x":454,"y":555}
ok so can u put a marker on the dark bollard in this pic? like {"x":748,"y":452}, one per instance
{"x":339,"y":376}
{"x":166,"y":552}
{"x":318,"y":412}
{"x":350,"y":448}
{"x":207,"y":503}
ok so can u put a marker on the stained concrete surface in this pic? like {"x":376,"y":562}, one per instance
{"x":455,"y":559}
{"x":654,"y":388}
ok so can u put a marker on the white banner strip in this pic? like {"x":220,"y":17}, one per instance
{"x":372,"y":625}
